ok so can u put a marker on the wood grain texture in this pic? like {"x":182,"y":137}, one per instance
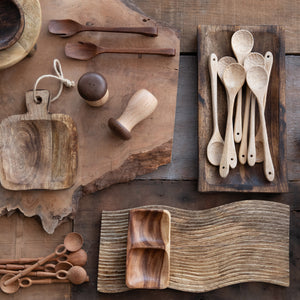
{"x":38,"y":150}
{"x":238,"y":242}
{"x":185,"y":16}
{"x":243,"y":178}
{"x":117,"y":161}
{"x":148,"y":249}
{"x":29,"y":36}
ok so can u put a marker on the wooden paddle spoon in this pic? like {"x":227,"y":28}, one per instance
{"x":216,"y":143}
{"x":67,"y":28}
{"x":249,"y":153}
{"x":257,"y":79}
{"x":86,"y":51}
{"x":259,"y":136}
{"x":242,"y":42}
{"x":233,"y":78}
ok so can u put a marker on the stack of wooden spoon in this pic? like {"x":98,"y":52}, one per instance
{"x":255,"y":69}
{"x":67,"y":264}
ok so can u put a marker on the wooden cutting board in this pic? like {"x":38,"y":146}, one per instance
{"x":217,"y":39}
{"x":103,"y":159}
{"x":244,"y":241}
{"x":38,"y":150}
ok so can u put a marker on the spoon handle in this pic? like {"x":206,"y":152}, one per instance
{"x":213,"y":72}
{"x":229,"y":154}
{"x":159,"y":51}
{"x":243,"y":146}
{"x":268,"y":163}
{"x":147,"y":31}
{"x":251,"y":146}
{"x":238,"y":118}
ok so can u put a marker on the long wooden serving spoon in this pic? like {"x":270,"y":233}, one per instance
{"x":86,"y":51}
{"x":216,"y":143}
{"x":259,"y":136}
{"x":249,"y":153}
{"x":223,"y":63}
{"x":233,"y":79}
{"x":67,"y":28}
{"x":242,"y":42}
{"x":257,"y":79}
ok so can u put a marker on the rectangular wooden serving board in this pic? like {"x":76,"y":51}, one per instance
{"x":217,"y":39}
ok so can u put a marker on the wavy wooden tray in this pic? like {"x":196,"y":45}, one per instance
{"x":238,"y":242}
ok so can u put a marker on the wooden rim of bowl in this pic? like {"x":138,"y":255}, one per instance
{"x":21,"y":25}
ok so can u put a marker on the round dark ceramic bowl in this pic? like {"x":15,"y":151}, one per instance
{"x":12,"y":23}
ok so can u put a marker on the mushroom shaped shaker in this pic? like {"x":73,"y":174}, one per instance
{"x":92,"y":87}
{"x":141,"y":105}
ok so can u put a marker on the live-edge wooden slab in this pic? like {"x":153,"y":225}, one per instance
{"x":216,"y":39}
{"x":103,"y":159}
{"x":233,"y":243}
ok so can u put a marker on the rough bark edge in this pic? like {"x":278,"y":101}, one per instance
{"x":135,"y":165}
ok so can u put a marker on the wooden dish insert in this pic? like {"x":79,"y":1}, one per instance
{"x":148,"y":249}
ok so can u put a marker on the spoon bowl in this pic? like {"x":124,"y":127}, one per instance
{"x":11,"y":288}
{"x":73,"y":241}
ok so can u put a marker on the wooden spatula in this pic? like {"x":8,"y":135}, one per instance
{"x":67,"y":28}
{"x":86,"y":51}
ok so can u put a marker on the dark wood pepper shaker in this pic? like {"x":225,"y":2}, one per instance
{"x":92,"y":87}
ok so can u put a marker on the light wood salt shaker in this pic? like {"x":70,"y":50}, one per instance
{"x":140,"y":106}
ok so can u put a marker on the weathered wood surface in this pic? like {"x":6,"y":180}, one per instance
{"x":238,"y":242}
{"x":103,"y":158}
{"x":24,"y":237}
{"x":38,"y":150}
{"x":29,"y":36}
{"x":182,"y":195}
{"x":243,"y":178}
{"x":187,"y":15}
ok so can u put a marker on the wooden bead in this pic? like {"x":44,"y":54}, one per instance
{"x":92,"y":87}
{"x":140,"y":106}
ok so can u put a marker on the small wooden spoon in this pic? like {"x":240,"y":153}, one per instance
{"x":257,"y":79}
{"x":76,"y":275}
{"x":72,"y":242}
{"x":233,"y":78}
{"x":259,"y":136}
{"x":216,"y":143}
{"x":242,"y":42}
{"x":253,"y":59}
{"x":223,"y":63}
{"x":67,"y":28}
{"x":86,"y":51}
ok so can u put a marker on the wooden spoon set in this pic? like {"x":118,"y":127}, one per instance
{"x":255,"y":69}
{"x":64,"y":268}
{"x":86,"y":51}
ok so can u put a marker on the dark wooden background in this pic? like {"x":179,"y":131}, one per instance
{"x":176,"y":183}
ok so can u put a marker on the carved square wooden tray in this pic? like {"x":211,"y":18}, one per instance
{"x":216,"y":39}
